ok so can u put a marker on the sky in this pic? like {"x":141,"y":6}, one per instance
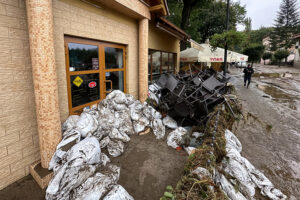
{"x":262,"y":12}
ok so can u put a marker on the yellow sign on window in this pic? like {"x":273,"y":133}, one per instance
{"x":78,"y":81}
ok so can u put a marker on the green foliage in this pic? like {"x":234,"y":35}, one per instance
{"x":254,"y":52}
{"x":281,"y":54}
{"x":206,"y":18}
{"x":233,"y":38}
{"x":267,"y":55}
{"x":256,"y":36}
{"x":287,"y":23}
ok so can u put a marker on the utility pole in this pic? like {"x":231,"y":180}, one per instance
{"x":226,"y":47}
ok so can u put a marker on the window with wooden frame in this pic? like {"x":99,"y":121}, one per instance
{"x":160,"y":62}
{"x":93,"y":70}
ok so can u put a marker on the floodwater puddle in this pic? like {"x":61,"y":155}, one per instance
{"x":280,"y":96}
{"x":270,"y":75}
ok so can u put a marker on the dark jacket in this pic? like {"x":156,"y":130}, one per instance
{"x":248,"y":71}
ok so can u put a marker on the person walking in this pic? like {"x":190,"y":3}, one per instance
{"x":248,"y":71}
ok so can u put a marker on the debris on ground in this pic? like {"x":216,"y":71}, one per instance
{"x":83,"y":171}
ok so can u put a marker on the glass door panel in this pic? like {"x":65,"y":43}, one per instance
{"x":85,"y":88}
{"x":113,"y":58}
{"x":83,"y":57}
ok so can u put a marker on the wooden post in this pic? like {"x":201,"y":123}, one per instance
{"x":143,"y":59}
{"x":40,"y":29}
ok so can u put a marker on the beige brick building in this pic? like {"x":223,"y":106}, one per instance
{"x":31,"y":75}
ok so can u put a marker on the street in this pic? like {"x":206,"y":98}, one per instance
{"x":270,"y":134}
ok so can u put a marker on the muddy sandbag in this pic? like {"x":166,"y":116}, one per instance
{"x":70,"y":138}
{"x":232,"y":141}
{"x":104,"y":142}
{"x":87,"y":124}
{"x":158,"y":128}
{"x":170,"y":122}
{"x":97,"y":185}
{"x":70,"y":123}
{"x":116,"y":134}
{"x":118,"y":193}
{"x":67,"y":179}
{"x":175,"y":137}
{"x":228,"y":188}
{"x":115,"y":148}
{"x":104,"y":159}
{"x":247,"y":175}
{"x":79,"y":163}
{"x":141,"y":124}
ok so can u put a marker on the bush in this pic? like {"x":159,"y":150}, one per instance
{"x":281,"y":54}
{"x":266,"y":56}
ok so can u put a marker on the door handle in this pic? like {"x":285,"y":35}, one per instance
{"x":108,"y":81}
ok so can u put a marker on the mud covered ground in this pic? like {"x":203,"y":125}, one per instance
{"x":147,"y":166}
{"x":270,"y":136}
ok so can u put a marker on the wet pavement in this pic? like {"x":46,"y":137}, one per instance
{"x":271,"y":134}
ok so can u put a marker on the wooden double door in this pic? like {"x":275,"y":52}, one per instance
{"x":93,"y":70}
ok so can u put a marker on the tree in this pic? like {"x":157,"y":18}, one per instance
{"x":233,"y":38}
{"x":256,"y":36}
{"x":287,"y":23}
{"x":254,"y":52}
{"x":266,"y":56}
{"x":281,"y":54}
{"x":248,"y":25}
{"x":206,"y":18}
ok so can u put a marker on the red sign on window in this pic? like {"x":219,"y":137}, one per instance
{"x":92,"y":84}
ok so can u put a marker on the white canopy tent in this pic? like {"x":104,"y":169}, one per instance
{"x":205,"y":53}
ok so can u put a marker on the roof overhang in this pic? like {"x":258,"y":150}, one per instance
{"x":297,"y":36}
{"x":157,"y":7}
{"x":172,"y":29}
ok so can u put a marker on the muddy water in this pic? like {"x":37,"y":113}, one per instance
{"x":280,"y":96}
{"x":275,"y":151}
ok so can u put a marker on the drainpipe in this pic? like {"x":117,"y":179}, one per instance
{"x":40,"y":30}
{"x":143,"y":59}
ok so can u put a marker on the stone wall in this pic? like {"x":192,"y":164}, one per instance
{"x":18,"y":128}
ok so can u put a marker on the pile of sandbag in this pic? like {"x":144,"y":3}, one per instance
{"x":78,"y":162}
{"x":245,"y":173}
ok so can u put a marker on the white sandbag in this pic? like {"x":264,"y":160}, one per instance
{"x":189,"y":150}
{"x":86,"y":152}
{"x":158,"y":128}
{"x":70,"y":123}
{"x":118,"y":193}
{"x":87,"y":124}
{"x":117,"y":96}
{"x":129,"y":99}
{"x":140,"y":124}
{"x":104,"y":159}
{"x":115,"y":148}
{"x":233,"y":141}
{"x":175,"y":137}
{"x":170,"y":122}
{"x":247,"y":175}
{"x":202,"y":173}
{"x":66,"y":179}
{"x":154,"y":113}
{"x":197,"y":134}
{"x":79,"y":163}
{"x":116,"y":134}
{"x":104,"y":142}
{"x":70,"y":138}
{"x":97,"y":185}
{"x":228,"y":188}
